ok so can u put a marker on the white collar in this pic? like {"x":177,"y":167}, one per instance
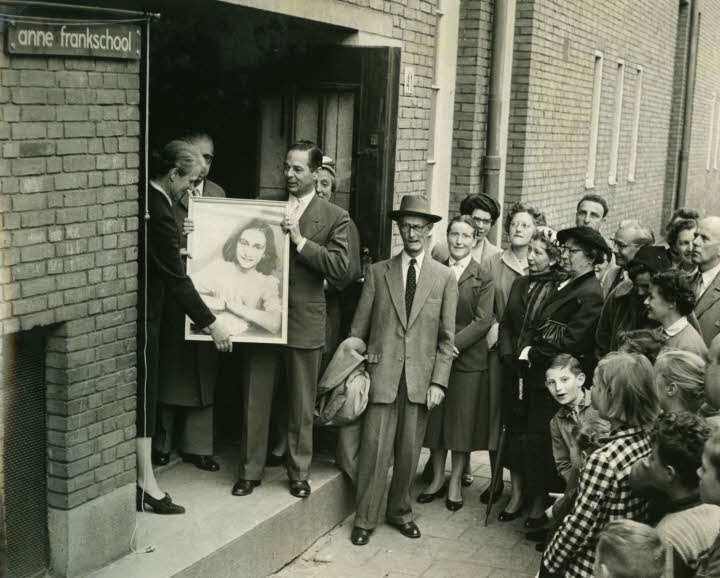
{"x":677,"y":327}
{"x":159,"y":187}
{"x":709,"y":276}
{"x":462,"y":264}
{"x":199,"y":189}
{"x":305,"y":199}
{"x":406,"y":260}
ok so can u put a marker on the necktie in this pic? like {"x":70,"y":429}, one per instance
{"x":410,"y":287}
{"x":699,"y":286}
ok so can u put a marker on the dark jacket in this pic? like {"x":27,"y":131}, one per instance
{"x":473,"y":318}
{"x":571,"y":315}
{"x":512,"y":321}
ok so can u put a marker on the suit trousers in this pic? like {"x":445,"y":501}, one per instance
{"x":260,"y":369}
{"x":392,"y":432}
{"x":196,"y":424}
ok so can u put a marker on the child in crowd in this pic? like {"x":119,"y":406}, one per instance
{"x":628,"y":549}
{"x":623,"y":393}
{"x":709,"y":486}
{"x":687,"y":527}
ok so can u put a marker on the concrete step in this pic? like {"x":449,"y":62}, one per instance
{"x":223,"y":535}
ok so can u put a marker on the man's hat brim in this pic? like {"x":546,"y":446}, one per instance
{"x":395,"y":215}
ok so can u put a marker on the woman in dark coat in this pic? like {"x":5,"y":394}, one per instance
{"x":526,"y":299}
{"x":565,"y":323}
{"x":461,"y":423}
{"x":175,"y":170}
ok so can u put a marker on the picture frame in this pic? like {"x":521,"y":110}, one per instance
{"x":239,"y":260}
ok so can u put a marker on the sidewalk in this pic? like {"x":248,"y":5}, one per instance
{"x":453,"y":544}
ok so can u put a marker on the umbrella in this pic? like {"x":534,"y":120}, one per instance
{"x":497,"y":472}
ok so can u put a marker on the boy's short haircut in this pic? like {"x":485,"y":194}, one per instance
{"x":630,"y":549}
{"x":566,"y":361}
{"x":679,"y":439}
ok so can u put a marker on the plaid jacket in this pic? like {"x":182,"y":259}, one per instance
{"x":604,"y":494}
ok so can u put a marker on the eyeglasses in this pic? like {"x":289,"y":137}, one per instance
{"x":406,"y":228}
{"x":481,"y":221}
{"x":570,"y":249}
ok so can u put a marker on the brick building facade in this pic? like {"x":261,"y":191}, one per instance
{"x":71,"y":138}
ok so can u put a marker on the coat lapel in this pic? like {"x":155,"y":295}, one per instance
{"x":394,"y":279}
{"x":509,"y":258}
{"x":708,"y":299}
{"x":425,"y":283}
{"x":558,"y":298}
{"x":311,"y":222}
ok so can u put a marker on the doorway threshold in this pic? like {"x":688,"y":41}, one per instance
{"x":224,"y":535}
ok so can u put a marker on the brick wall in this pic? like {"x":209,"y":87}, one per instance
{"x":551,"y":102}
{"x":471,"y":99}
{"x":703,"y":189}
{"x":69,"y":136}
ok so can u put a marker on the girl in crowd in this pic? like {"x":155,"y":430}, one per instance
{"x":624,"y":394}
{"x":460,"y":424}
{"x":520,"y":224}
{"x":680,"y":237}
{"x":680,"y":380}
{"x":527,"y":296}
{"x":241,"y":288}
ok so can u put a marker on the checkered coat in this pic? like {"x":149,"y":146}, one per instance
{"x":604,"y":494}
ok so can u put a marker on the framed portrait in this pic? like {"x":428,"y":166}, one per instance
{"x":239,"y":265}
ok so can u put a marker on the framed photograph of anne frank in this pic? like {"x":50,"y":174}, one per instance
{"x":239,"y":264}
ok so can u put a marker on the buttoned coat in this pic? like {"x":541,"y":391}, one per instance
{"x":188,"y":369}
{"x":422,"y":345}
{"x":707,"y":311}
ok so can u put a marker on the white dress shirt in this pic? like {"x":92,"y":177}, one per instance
{"x":405,"y":259}
{"x":296,"y":208}
{"x":707,"y":279}
{"x":458,"y":267}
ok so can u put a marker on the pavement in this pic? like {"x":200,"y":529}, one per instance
{"x":453,"y":544}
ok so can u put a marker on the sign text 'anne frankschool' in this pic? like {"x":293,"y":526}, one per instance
{"x":103,"y":40}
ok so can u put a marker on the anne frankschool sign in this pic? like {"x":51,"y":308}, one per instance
{"x":104,"y":40}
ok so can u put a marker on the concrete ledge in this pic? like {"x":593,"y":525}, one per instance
{"x":92,"y":534}
{"x":223,"y":535}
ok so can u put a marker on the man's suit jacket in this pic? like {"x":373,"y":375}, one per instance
{"x":707,"y":311}
{"x":324,"y":256}
{"x":422,"y":345}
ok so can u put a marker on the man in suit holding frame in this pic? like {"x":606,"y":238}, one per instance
{"x":406,"y":315}
{"x":318,"y":233}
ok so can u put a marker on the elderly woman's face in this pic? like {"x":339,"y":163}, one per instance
{"x":522,"y":228}
{"x":461,"y":239}
{"x":483,"y":221}
{"x":574,"y":260}
{"x":538,"y":259}
{"x":250,"y":248}
{"x":323,"y":184}
{"x":179,"y":184}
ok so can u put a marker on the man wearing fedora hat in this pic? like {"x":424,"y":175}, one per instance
{"x":406,"y":315}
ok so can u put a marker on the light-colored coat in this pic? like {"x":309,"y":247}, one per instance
{"x":707,"y":311}
{"x":422,"y":346}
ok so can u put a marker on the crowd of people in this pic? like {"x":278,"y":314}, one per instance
{"x":587,"y":366}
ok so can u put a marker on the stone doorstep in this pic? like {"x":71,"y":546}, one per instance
{"x":224,"y":535}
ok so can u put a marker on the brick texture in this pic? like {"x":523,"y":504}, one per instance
{"x":69,"y":223}
{"x":555,"y":48}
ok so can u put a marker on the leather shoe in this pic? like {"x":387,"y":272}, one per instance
{"x":206,"y":463}
{"x":360,"y":536}
{"x":510,"y":516}
{"x":427,"y":498}
{"x":144,"y":502}
{"x":452,"y":505}
{"x":485,"y":496}
{"x":300,"y":488}
{"x":535,"y":523}
{"x":409,"y":530}
{"x":539,"y":535}
{"x":159,"y":458}
{"x":244,"y":487}
{"x":466,"y":480}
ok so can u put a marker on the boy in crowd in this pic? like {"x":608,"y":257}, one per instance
{"x":629,"y":549}
{"x":688,"y":527}
{"x":709,"y":486}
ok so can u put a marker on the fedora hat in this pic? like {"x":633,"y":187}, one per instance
{"x":415,"y":206}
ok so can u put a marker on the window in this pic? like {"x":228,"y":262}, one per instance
{"x":617,"y":120}
{"x":636,"y":123}
{"x":594,"y":122}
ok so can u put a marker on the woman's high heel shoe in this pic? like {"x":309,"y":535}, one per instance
{"x":427,"y":498}
{"x":164,"y":506}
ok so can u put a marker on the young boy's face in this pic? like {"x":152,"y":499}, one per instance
{"x":564,"y":385}
{"x":709,"y":483}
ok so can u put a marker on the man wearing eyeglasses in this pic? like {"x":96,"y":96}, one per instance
{"x":406,"y":315}
{"x":630,"y":236}
{"x":189,"y":369}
